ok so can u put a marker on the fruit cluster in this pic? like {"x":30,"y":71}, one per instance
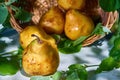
{"x":67,"y":18}
{"x":40,"y":55}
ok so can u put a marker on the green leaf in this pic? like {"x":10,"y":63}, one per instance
{"x":56,"y":37}
{"x":41,"y":78}
{"x":115,"y":51}
{"x":73,"y":76}
{"x":76,"y":66}
{"x":2,"y":46}
{"x":116,"y":32}
{"x":10,"y":2}
{"x":117,"y":43}
{"x":20,"y":50}
{"x":119,"y":13}
{"x":115,"y":26}
{"x":118,"y":27}
{"x":68,"y":46}
{"x":79,"y":40}
{"x":57,"y":75}
{"x":98,"y":30}
{"x":68,"y":43}
{"x":109,"y":5}
{"x":77,"y":72}
{"x":106,"y":65}
{"x":3,"y":13}
{"x":2,"y":1}
{"x":70,"y":49}
{"x":10,"y":62}
{"x":8,"y":67}
{"x":6,"y":23}
{"x":22,"y":15}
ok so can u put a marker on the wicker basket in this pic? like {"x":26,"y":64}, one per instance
{"x":39,"y":7}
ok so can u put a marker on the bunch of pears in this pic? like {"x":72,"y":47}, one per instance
{"x":68,"y":18}
{"x":40,"y":55}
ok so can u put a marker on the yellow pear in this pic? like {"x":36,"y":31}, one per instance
{"x":53,"y":21}
{"x":77,"y":25}
{"x":26,"y":38}
{"x":40,"y":58}
{"x":71,"y":4}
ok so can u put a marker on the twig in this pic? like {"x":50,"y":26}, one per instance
{"x":91,"y":65}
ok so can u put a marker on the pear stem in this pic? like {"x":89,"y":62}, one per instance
{"x":38,"y":39}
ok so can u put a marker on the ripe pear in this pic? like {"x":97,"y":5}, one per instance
{"x":53,"y":21}
{"x":71,"y":4}
{"x":77,"y":24}
{"x":25,"y":35}
{"x":40,"y":58}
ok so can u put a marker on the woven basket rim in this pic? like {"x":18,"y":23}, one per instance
{"x":109,"y":19}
